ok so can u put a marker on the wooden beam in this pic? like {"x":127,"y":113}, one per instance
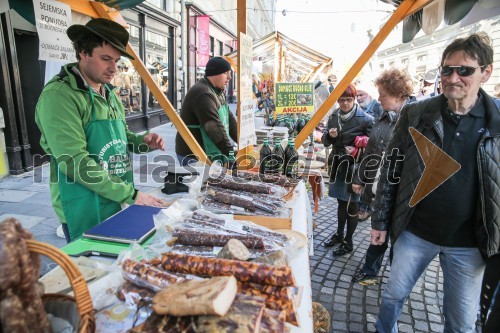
{"x":406,"y":8}
{"x":233,"y":65}
{"x":244,"y":162}
{"x":108,"y":13}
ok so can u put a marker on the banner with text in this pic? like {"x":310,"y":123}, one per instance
{"x":245,"y":52}
{"x":294,"y":97}
{"x":203,"y":43}
{"x":53,"y":18}
{"x":247,"y":124}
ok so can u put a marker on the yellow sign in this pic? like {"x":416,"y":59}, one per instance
{"x":294,"y":98}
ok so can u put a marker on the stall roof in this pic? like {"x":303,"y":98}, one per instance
{"x":276,"y":46}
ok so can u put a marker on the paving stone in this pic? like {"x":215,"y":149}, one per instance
{"x":8,"y":195}
{"x":355,"y":308}
{"x":326,"y":290}
{"x":421,"y":325}
{"x":436,"y":327}
{"x":405,"y":328}
{"x":371,"y":301}
{"x":338,"y":326}
{"x":434,"y":318}
{"x":356,"y":328}
{"x":433,"y":309}
{"x":27,"y":221}
{"x":356,"y":317}
{"x":339,"y":316}
{"x":404,"y":318}
{"x":417,"y":305}
{"x":419,"y":315}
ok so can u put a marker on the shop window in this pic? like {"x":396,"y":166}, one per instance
{"x":128,"y":86}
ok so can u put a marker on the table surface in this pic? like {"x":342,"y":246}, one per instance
{"x":117,"y":317}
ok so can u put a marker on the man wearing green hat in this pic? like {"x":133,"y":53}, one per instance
{"x":84,"y":131}
{"x":206,"y":113}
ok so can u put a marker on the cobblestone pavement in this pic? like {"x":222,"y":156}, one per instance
{"x":354,"y":308}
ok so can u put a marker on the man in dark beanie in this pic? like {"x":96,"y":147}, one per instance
{"x":84,"y":131}
{"x":206,"y":113}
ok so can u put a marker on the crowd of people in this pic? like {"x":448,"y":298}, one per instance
{"x":83,"y":128}
{"x":457,"y":221}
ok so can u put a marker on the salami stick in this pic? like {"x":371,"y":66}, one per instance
{"x":148,"y":276}
{"x":241,"y":186}
{"x":187,"y":236}
{"x":235,"y":200}
{"x":243,"y":271}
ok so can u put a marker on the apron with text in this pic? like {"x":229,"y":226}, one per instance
{"x":213,"y":153}
{"x":107,"y":145}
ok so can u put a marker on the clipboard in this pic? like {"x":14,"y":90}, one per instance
{"x":132,"y":224}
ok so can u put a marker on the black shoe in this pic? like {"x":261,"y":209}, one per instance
{"x":334,"y":240}
{"x":363,"y":279}
{"x":343,"y":249}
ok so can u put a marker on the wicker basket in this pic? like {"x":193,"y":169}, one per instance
{"x":86,"y":322}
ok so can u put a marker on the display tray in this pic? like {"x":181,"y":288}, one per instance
{"x":267,"y":221}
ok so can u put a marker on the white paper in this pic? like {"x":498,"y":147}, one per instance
{"x":247,"y":124}
{"x":53,"y":18}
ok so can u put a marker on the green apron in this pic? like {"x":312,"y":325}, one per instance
{"x":107,"y":145}
{"x":213,"y":153}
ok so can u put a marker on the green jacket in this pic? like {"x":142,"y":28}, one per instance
{"x":62,"y":112}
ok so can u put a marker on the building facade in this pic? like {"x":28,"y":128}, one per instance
{"x":164,"y":33}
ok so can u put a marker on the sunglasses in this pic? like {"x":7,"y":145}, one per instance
{"x":346,"y":100}
{"x":461,"y":70}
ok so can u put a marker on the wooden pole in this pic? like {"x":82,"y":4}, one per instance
{"x":405,"y":9}
{"x":244,"y":162}
{"x":105,"y":12}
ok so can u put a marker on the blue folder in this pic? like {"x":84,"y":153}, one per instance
{"x":132,"y":224}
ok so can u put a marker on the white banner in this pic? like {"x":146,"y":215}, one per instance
{"x":245,"y":67}
{"x":53,"y":18}
{"x":247,"y":125}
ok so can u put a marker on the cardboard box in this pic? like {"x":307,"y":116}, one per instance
{"x":267,"y":221}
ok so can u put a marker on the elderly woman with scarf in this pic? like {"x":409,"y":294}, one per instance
{"x":344,"y":125}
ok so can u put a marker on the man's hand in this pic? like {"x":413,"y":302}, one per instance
{"x":148,"y":200}
{"x":154,"y":141}
{"x":358,"y":189}
{"x":378,"y":237}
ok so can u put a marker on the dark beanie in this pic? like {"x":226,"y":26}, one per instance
{"x":216,"y":66}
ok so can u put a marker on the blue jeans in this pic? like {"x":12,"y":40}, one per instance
{"x":462,"y":272}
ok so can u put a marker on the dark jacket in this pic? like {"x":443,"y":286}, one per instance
{"x":360,"y":124}
{"x":200,"y":107}
{"x":380,"y":136}
{"x":374,"y":109}
{"x":392,"y":211}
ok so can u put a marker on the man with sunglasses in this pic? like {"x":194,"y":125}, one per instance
{"x":460,"y":219}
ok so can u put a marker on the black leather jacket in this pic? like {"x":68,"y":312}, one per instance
{"x":392,"y":212}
